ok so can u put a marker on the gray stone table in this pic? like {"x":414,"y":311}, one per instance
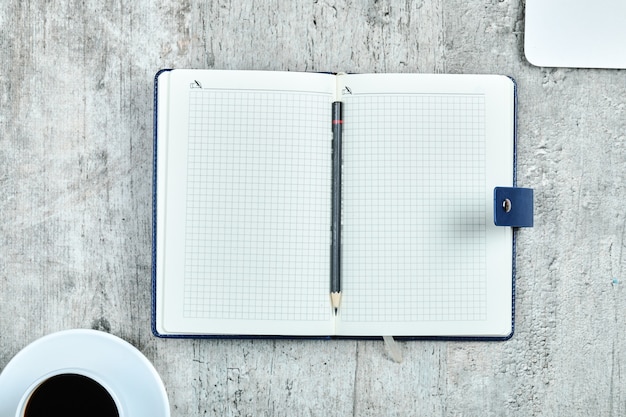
{"x":75,"y":203}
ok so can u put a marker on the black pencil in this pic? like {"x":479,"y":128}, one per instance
{"x":335,"y":259}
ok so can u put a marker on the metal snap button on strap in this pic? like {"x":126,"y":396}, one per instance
{"x":513,"y":206}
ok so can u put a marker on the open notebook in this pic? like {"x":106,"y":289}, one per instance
{"x":244,"y":218}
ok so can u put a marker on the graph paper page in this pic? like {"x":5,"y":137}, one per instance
{"x":421,"y":155}
{"x":247,"y":212}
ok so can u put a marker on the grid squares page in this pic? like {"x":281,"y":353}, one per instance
{"x":258,"y":204}
{"x":243,"y":204}
{"x":414,"y":208}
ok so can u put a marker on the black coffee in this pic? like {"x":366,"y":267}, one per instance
{"x":70,"y":395}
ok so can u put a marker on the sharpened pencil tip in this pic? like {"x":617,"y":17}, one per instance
{"x":335,"y":300}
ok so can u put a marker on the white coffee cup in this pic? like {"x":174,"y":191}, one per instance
{"x":114,"y":364}
{"x":70,"y":389}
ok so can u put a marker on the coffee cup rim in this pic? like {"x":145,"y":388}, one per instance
{"x":21,"y":407}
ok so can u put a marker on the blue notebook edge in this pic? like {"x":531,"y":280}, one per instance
{"x":514,"y":254}
{"x":154,"y":200}
{"x":156,"y":333}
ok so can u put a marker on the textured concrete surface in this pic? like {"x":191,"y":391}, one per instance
{"x":75,"y":203}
